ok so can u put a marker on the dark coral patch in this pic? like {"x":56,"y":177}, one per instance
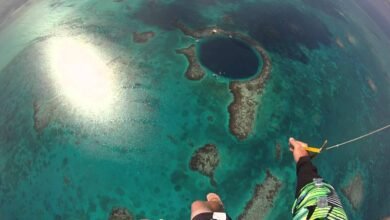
{"x":143,"y":37}
{"x":120,"y":214}
{"x":205,"y":160}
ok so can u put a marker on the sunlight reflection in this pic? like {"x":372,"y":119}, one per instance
{"x":82,"y":76}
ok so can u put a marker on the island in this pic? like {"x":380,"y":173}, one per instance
{"x":205,"y":160}
{"x":263,"y":198}
{"x":246,"y":94}
{"x":194,"y":70}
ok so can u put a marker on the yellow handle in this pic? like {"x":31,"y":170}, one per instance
{"x":313,"y":149}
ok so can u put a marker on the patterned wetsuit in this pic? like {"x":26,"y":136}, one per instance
{"x":315,"y":199}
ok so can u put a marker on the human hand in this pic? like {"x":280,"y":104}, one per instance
{"x":298,"y":149}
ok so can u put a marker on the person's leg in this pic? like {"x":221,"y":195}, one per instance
{"x":213,"y":204}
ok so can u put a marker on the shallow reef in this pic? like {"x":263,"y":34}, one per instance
{"x":354,"y":191}
{"x":246,"y":93}
{"x":120,"y":214}
{"x":194,"y":70}
{"x":263,"y":198}
{"x":143,"y":37}
{"x":205,"y":160}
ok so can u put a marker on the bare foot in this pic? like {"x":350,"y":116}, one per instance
{"x":213,"y":204}
{"x":215,"y":201}
{"x":212,"y":197}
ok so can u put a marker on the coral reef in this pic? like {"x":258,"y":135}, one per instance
{"x":243,"y":108}
{"x":205,"y":160}
{"x":143,"y":37}
{"x":354,"y":191}
{"x":263,"y":198}
{"x":194,"y":70}
{"x":120,"y":214}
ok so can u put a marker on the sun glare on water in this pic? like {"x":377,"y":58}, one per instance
{"x":82,"y":76}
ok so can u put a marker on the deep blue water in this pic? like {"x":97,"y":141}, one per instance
{"x":229,"y":58}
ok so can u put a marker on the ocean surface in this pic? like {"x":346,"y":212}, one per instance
{"x":91,"y":120}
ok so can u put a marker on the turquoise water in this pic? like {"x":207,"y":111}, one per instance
{"x":121,"y":132}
